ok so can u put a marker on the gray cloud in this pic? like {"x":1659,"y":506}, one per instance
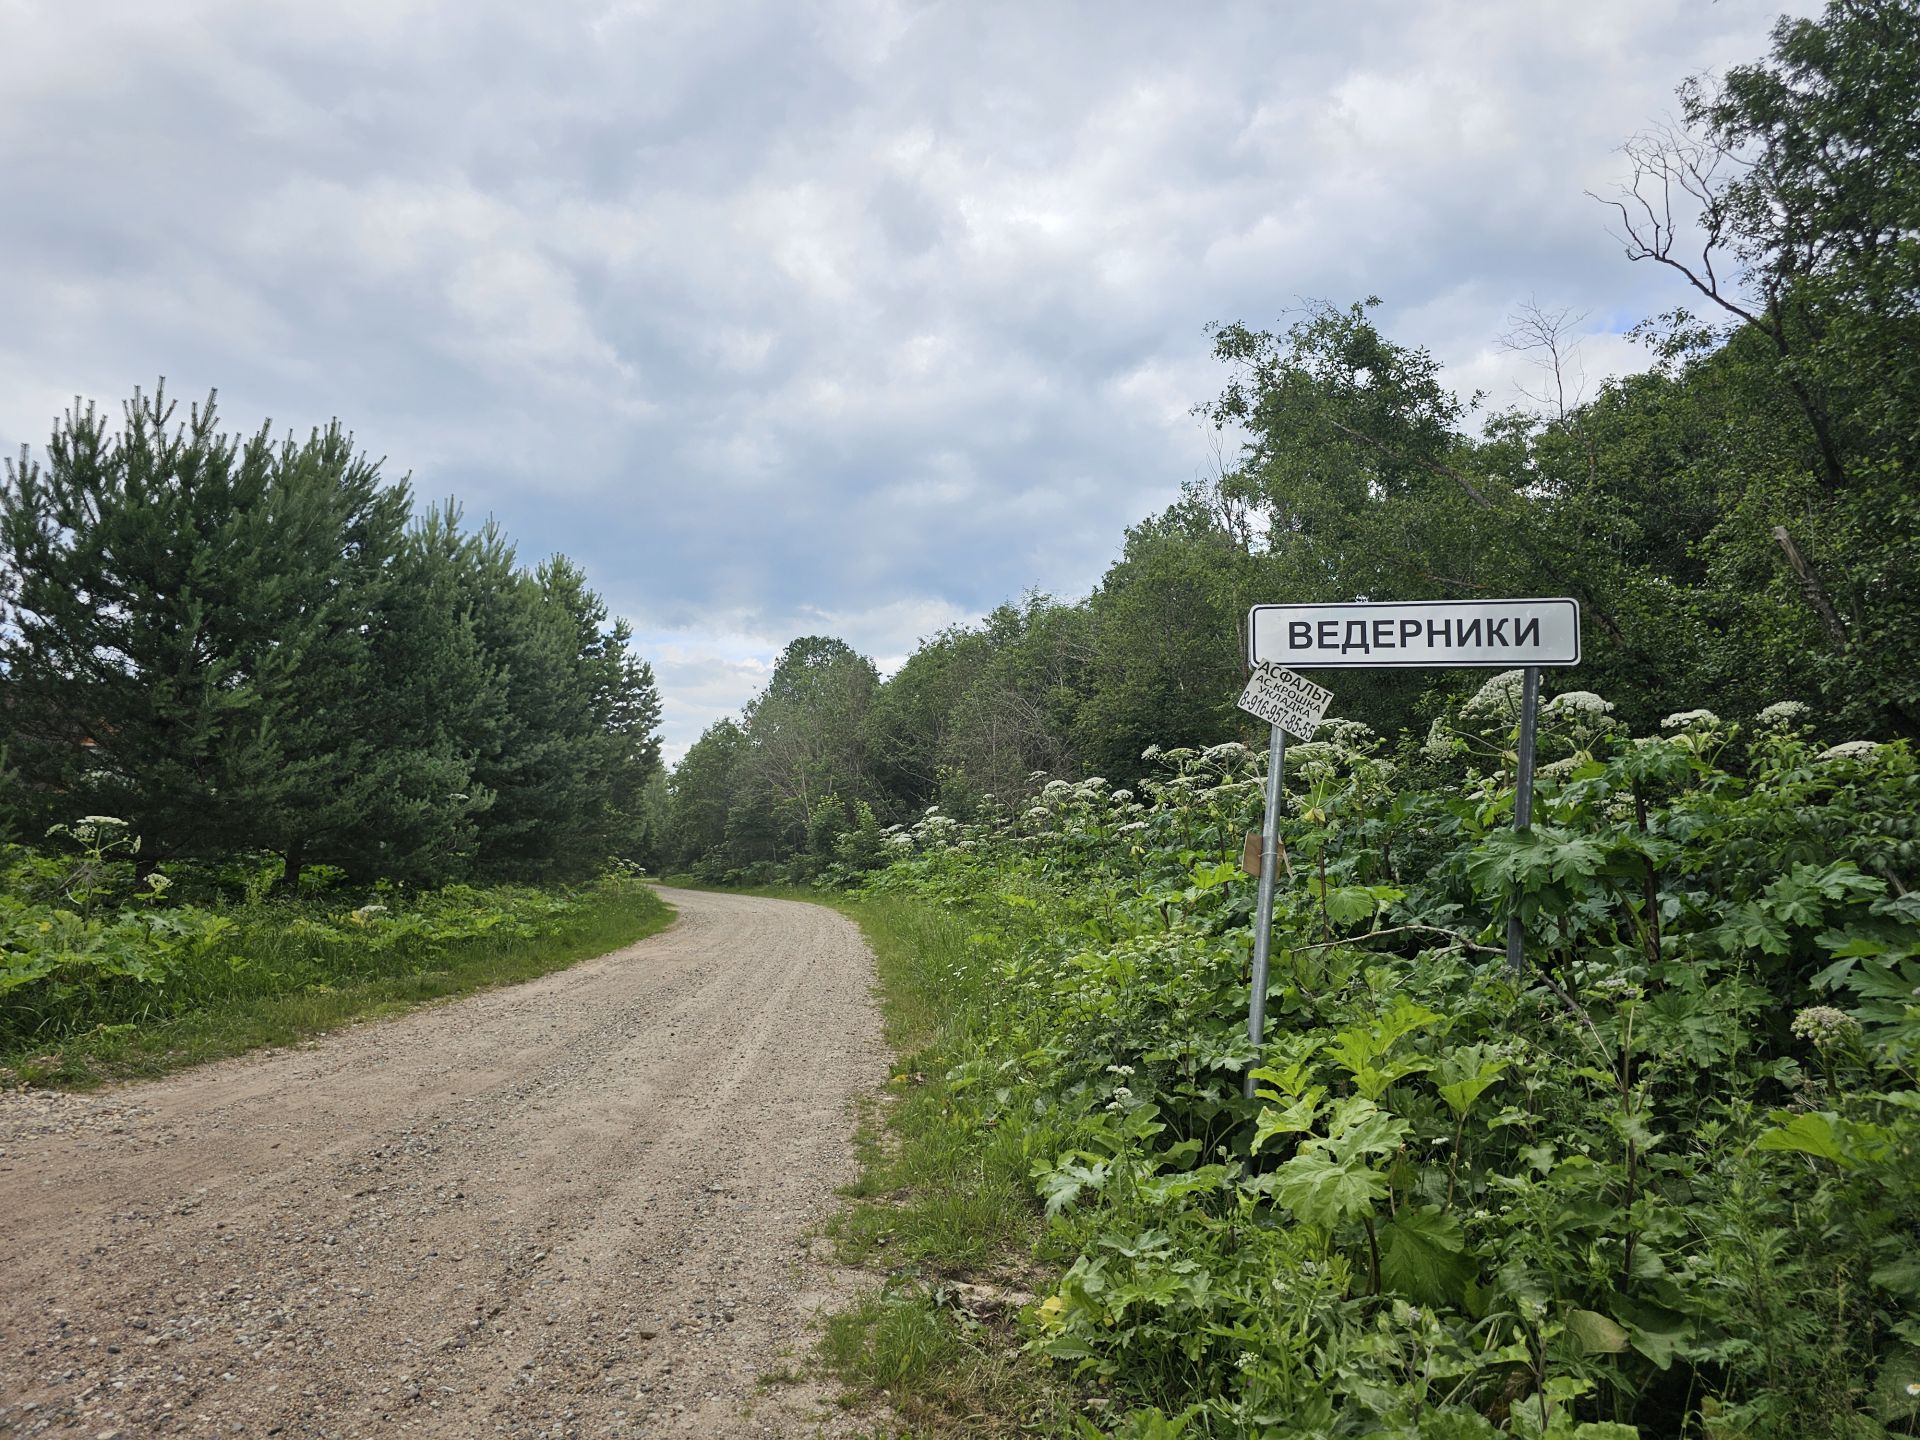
{"x":857,"y":317}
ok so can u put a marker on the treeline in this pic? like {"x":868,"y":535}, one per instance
{"x":237,"y":644}
{"x":1738,"y":523}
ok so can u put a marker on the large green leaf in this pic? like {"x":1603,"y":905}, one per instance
{"x":1596,"y":1334}
{"x":1465,"y":1074}
{"x":1349,"y":904}
{"x":1359,"y":1127}
{"x":1295,"y":1119}
{"x":1658,"y":1333}
{"x":1812,"y":1132}
{"x":1421,"y":1256}
{"x":1326,"y":1192}
{"x":1901,"y":1276}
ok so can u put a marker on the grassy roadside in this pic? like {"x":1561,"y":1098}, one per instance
{"x":943,"y":1207}
{"x":248,"y":1019}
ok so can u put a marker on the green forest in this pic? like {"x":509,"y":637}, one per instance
{"x":277,"y":746}
{"x":234,"y":644}
{"x":1661,"y":1181}
{"x":1738,"y":523}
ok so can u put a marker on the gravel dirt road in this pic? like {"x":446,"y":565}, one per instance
{"x":577,"y":1207}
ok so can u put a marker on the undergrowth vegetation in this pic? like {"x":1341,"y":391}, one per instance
{"x":1665,"y":1182}
{"x":942,"y":1205}
{"x":108,"y":971}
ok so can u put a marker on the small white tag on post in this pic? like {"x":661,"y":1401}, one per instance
{"x":1280,"y":697}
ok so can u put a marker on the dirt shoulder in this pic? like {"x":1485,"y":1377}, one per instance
{"x":576,"y":1207}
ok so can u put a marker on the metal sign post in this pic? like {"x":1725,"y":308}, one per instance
{"x":1508,"y":634}
{"x":1523,"y":800}
{"x":1263,"y":905}
{"x":1286,"y":701}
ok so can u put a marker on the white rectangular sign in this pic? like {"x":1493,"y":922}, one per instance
{"x":1282,"y":698}
{"x":1506,"y":633}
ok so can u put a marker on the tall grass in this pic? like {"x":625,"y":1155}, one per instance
{"x":938,"y":1206}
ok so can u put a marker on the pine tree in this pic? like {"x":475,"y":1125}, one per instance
{"x":127,"y":556}
{"x":577,"y":741}
{"x":433,"y":707}
{"x":244,"y":645}
{"x":304,"y":776}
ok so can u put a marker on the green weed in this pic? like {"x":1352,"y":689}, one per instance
{"x":1662,"y":1183}
{"x":123,"y":995}
{"x":938,"y":1202}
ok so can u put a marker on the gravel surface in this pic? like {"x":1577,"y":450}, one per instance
{"x":578,"y":1207}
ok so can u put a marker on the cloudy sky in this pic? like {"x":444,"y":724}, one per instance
{"x":783,"y":318}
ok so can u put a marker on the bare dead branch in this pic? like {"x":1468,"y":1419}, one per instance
{"x":1668,"y":164}
{"x":1543,"y":336}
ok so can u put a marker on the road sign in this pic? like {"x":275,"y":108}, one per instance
{"x":1280,"y":697}
{"x":1511,"y":634}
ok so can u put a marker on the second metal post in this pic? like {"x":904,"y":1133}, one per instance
{"x":1523,"y":800}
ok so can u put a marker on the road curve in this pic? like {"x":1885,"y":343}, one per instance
{"x":577,"y":1207}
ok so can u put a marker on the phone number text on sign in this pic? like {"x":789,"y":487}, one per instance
{"x":1280,"y":697}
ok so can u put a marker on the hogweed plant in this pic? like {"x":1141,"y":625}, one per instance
{"x":1664,"y":1183}
{"x":103,"y":843}
{"x":89,"y":947}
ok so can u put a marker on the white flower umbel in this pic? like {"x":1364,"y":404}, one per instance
{"x":1689,"y":719}
{"x":1579,"y":702}
{"x":1850,"y":750}
{"x":1500,"y":696}
{"x":1825,"y":1026}
{"x":1440,"y":741}
{"x":1781,"y":713}
{"x":1350,"y":733}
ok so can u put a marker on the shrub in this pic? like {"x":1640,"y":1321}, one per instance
{"x":1665,"y":1182}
